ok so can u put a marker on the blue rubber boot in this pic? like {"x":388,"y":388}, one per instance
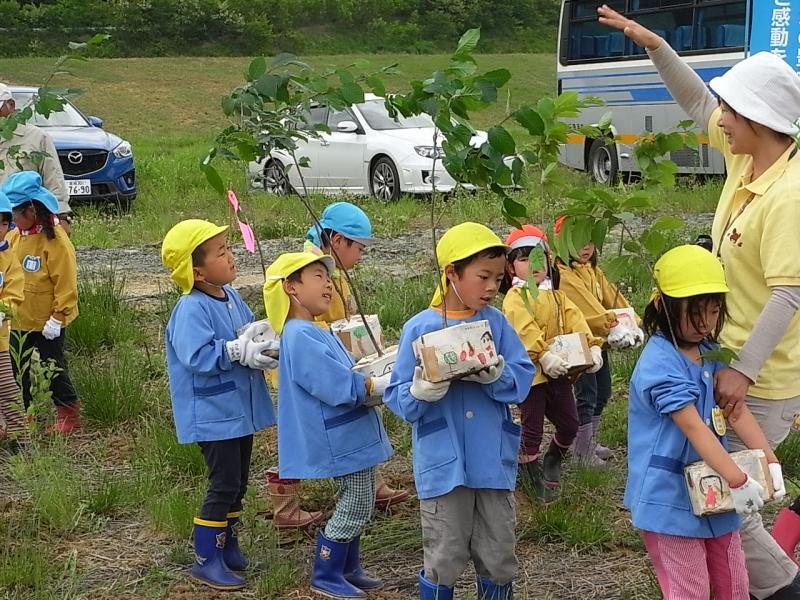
{"x":431,"y":591}
{"x":233,"y":554}
{"x":327,"y":578}
{"x":487,"y":590}
{"x":209,"y":567}
{"x":353,"y":571}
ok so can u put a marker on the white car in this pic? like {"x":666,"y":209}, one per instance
{"x":366,"y":152}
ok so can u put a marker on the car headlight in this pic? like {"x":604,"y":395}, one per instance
{"x":123,"y":150}
{"x":428,"y":151}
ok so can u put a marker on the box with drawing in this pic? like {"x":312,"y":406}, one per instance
{"x":354,"y":335}
{"x":375,"y":366}
{"x":574,"y":349}
{"x":456,"y":351}
{"x":710,"y":493}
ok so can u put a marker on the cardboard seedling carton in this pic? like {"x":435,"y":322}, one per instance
{"x":354,"y":335}
{"x":456,"y":351}
{"x":574,"y":349}
{"x":263,"y":337}
{"x":710,"y":493}
{"x":375,"y":366}
{"x":626,"y":318}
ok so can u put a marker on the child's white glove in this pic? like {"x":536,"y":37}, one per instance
{"x":256,"y":328}
{"x":747,"y":497}
{"x":2,"y":317}
{"x":255,"y":357}
{"x":489,"y":374}
{"x":379,"y":384}
{"x":553,"y":365}
{"x":597,"y":359}
{"x":638,"y":337}
{"x":619,"y":337}
{"x":51,"y":329}
{"x":776,"y":472}
{"x":425,"y":390}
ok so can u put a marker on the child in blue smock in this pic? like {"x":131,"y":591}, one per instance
{"x":219,"y":395}
{"x":673,"y":420}
{"x":465,"y":442}
{"x":327,"y":423}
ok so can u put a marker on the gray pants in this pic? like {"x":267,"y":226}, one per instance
{"x":767,"y":564}
{"x":469,"y":523}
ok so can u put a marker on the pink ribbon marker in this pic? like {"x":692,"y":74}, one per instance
{"x":233,"y":200}
{"x":248,"y":237}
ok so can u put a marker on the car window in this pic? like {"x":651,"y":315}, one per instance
{"x":337,"y":116}
{"x":316,"y":116}
{"x":69,"y":116}
{"x":377,"y":117}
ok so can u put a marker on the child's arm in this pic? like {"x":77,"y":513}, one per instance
{"x":524,"y":324}
{"x":706,"y":444}
{"x":397,"y":396}
{"x":194,"y":340}
{"x":317,"y":370}
{"x":749,"y":431}
{"x":575,"y":322}
{"x":13,"y":292}
{"x":612,"y":297}
{"x":63,"y":269}
{"x":597,"y":316}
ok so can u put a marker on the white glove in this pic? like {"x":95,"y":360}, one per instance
{"x":489,"y":374}
{"x":597,"y":359}
{"x":776,"y":472}
{"x":51,"y":329}
{"x":638,"y":337}
{"x":379,"y":384}
{"x":272,"y":348}
{"x":619,"y":337}
{"x":425,"y":390}
{"x":255,"y":328}
{"x":553,"y":365}
{"x":747,"y":497}
{"x":2,"y":317}
{"x":255,"y":358}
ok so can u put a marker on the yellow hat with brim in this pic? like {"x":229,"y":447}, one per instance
{"x":689,"y":270}
{"x":178,"y":245}
{"x":276,"y":300}
{"x":460,"y":242}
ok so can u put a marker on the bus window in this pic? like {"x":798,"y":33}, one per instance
{"x":670,"y":25}
{"x":721,"y":26}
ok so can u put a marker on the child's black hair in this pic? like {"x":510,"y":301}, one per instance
{"x":663,"y":314}
{"x":493,"y":252}
{"x":45,"y":218}
{"x":199,"y":255}
{"x":6,"y":217}
{"x":327,"y":236}
{"x":552,"y":269}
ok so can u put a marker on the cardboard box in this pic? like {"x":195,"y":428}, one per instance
{"x":269,"y":334}
{"x":456,"y":352}
{"x":354,"y":335}
{"x":710,"y":494}
{"x":375,"y":366}
{"x":574,"y":349}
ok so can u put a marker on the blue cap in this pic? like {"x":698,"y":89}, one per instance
{"x":345,"y":218}
{"x":25,"y":186}
{"x":5,"y":205}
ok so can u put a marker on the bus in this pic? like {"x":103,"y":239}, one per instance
{"x":711,"y":35}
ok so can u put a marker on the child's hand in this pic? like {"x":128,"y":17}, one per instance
{"x":776,"y":472}
{"x":553,"y":365}
{"x":256,"y":355}
{"x":489,"y":374}
{"x":426,"y":391}
{"x":379,"y":385}
{"x":51,"y":329}
{"x":747,"y":496}
{"x":620,"y":338}
{"x":597,"y":359}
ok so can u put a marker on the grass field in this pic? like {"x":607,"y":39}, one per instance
{"x":107,"y":513}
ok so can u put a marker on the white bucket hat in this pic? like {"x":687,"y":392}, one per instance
{"x":765,"y":89}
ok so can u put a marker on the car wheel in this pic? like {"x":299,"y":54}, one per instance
{"x":384,"y":180}
{"x":603,"y":163}
{"x":275,"y":179}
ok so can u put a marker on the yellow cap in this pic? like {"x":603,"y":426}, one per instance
{"x":276,"y":301}
{"x":689,"y":271}
{"x":178,"y":245}
{"x":459,"y":242}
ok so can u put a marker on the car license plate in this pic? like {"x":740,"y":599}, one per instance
{"x":79,"y":187}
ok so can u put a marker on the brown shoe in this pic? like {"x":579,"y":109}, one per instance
{"x":386,"y":496}
{"x":285,"y":496}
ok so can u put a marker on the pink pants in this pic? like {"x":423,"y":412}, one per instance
{"x":689,"y":568}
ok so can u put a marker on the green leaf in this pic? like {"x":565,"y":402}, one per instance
{"x":536,"y":261}
{"x":499,"y":77}
{"x":98,"y":38}
{"x":514,"y":208}
{"x":599,"y":233}
{"x":258,"y":66}
{"x":667,"y":222}
{"x":304,"y":162}
{"x":501,"y":140}
{"x":376,"y":85}
{"x":212,"y":175}
{"x":284,"y":59}
{"x":605,"y":121}
{"x":529,"y":119}
{"x":352,"y":93}
{"x":76,"y":45}
{"x":468,"y":42}
{"x":267,"y":85}
{"x":722,"y":354}
{"x":361,"y":63}
{"x":529,"y":293}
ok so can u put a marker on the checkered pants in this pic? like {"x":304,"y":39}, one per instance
{"x":355,"y":501}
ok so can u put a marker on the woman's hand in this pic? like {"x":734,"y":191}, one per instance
{"x":730,"y":389}
{"x":640,"y":35}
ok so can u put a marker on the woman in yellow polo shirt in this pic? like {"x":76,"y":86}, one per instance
{"x":754,"y":124}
